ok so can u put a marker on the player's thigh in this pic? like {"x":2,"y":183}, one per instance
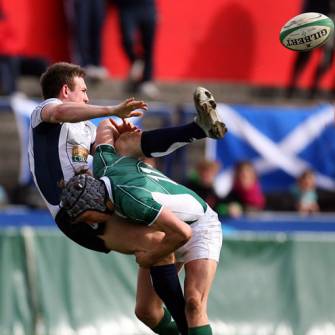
{"x":129,"y":144}
{"x":122,"y":235}
{"x":199,"y":276}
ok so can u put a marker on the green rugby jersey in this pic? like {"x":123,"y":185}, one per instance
{"x":139,"y":191}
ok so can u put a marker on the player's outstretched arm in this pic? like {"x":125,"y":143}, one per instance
{"x":76,"y":112}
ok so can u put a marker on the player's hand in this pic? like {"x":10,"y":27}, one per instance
{"x":106,"y":134}
{"x":129,"y":108}
{"x":125,"y":126}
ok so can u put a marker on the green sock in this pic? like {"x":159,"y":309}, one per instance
{"x":166,"y":326}
{"x":202,"y":330}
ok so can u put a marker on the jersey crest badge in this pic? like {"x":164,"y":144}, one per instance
{"x":79,"y":154}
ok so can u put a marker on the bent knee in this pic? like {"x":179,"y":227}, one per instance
{"x":149,"y":315}
{"x":194,"y":305}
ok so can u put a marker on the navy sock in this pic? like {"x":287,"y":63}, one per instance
{"x":161,"y":142}
{"x":166,"y":283}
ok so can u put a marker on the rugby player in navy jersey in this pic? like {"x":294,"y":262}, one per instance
{"x":61,"y":138}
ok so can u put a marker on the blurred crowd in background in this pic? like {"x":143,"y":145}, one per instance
{"x":247,"y":197}
{"x":85,"y":19}
{"x":138,"y":21}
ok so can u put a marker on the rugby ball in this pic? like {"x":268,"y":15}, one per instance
{"x":306,"y":31}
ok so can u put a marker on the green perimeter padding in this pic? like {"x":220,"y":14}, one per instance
{"x":16,"y":310}
{"x":270,"y":286}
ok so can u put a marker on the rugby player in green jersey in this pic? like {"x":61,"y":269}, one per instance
{"x":170,"y":216}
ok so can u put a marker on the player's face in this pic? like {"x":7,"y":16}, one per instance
{"x":91,"y":217}
{"x":79,"y":92}
{"x":247,"y":176}
{"x":307,"y":182}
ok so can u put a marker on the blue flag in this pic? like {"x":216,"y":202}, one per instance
{"x":281,"y":142}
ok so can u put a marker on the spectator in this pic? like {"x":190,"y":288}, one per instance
{"x":246,"y":194}
{"x":202,"y":181}
{"x":305,"y":194}
{"x":86,"y":19}
{"x":12,"y":63}
{"x":9,"y":49}
{"x":138,"y":22}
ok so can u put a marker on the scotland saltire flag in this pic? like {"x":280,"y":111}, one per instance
{"x":281,"y":142}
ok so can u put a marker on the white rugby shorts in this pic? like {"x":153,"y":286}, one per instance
{"x":206,"y":240}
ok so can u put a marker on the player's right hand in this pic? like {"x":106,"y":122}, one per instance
{"x":129,"y":108}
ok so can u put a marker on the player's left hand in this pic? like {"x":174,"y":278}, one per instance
{"x":125,"y":126}
{"x":130,"y":107}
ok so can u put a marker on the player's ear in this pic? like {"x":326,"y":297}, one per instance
{"x":110,"y":205}
{"x":65,"y":90}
